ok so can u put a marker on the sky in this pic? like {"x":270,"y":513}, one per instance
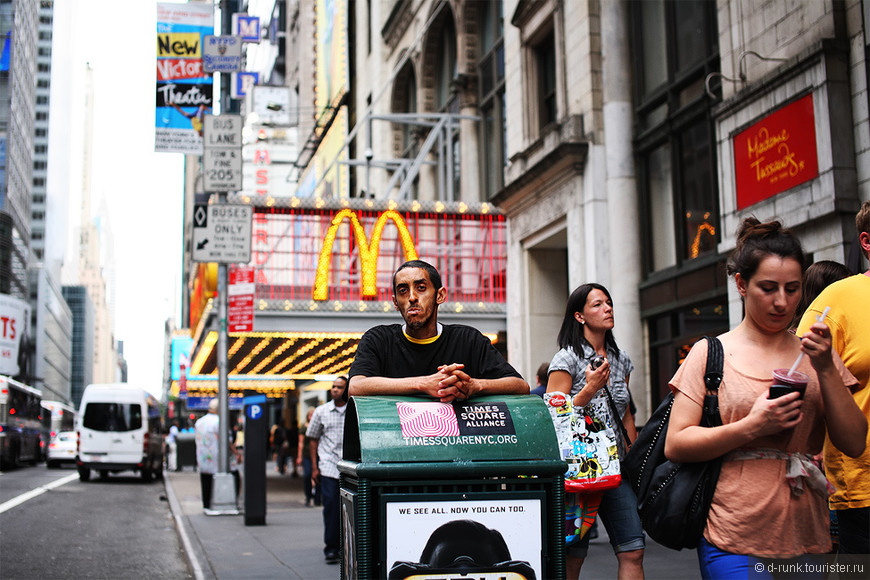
{"x":141,"y":190}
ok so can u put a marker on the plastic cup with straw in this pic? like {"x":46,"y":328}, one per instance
{"x":819,"y":318}
{"x":789,"y":380}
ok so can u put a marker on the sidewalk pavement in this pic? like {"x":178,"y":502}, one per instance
{"x":290,"y":545}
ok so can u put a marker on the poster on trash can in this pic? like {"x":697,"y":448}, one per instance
{"x":479,"y":538}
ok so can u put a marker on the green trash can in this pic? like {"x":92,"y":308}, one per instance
{"x":462,"y":490}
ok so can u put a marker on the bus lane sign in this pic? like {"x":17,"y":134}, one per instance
{"x":222,"y":152}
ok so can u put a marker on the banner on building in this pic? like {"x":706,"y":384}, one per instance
{"x":6,"y":55}
{"x":184,"y":90}
{"x":2,"y":171}
{"x":181,"y":346}
{"x":776,"y":153}
{"x":327,"y":175}
{"x":268,"y":170}
{"x":14,"y":335}
{"x":332,"y":76}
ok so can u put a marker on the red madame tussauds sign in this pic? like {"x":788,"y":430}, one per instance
{"x":776,"y":154}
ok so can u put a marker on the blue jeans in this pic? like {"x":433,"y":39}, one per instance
{"x":718,"y":564}
{"x":618,"y":513}
{"x":331,"y":513}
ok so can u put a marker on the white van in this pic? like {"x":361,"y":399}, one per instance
{"x":119,"y":429}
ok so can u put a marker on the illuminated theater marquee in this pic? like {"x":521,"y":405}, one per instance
{"x":333,"y":254}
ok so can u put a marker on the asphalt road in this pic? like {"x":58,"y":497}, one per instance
{"x":116,"y":528}
{"x":122,"y":528}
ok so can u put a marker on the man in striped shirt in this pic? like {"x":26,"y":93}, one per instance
{"x":326,"y":431}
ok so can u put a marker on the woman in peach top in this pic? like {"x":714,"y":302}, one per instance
{"x":771,"y":499}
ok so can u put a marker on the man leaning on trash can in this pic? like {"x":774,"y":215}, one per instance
{"x":422,"y":357}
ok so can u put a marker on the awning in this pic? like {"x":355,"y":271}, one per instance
{"x":289,"y":355}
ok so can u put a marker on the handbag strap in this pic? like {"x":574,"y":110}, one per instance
{"x":712,"y":380}
{"x":617,"y":419}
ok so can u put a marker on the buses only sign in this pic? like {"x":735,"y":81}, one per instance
{"x":222,"y":233}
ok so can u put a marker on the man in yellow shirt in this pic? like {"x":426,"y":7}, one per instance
{"x":849,"y":321}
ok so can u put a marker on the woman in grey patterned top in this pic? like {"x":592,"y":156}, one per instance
{"x":587,"y":332}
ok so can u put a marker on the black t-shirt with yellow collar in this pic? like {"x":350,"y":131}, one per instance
{"x":386,"y":351}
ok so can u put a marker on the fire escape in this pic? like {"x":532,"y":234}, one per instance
{"x":434,"y":143}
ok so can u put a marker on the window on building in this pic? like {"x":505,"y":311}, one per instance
{"x":405,"y":101}
{"x":446,"y":71}
{"x":545,"y":63}
{"x":409,"y":105}
{"x":684,"y":293}
{"x":660,"y":193}
{"x":672,"y":336}
{"x":675,"y":148}
{"x":445,"y":96}
{"x":369,"y":26}
{"x":492,"y":99}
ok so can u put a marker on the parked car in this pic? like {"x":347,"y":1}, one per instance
{"x":62,"y":448}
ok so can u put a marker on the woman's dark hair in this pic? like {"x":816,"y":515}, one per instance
{"x":819,"y":276}
{"x":571,"y":333}
{"x":756,"y":241}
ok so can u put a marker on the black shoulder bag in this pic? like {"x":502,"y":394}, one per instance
{"x":673,"y":499}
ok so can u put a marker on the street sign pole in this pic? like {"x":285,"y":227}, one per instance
{"x":223,"y":492}
{"x":224,"y":501}
{"x":227,"y":239}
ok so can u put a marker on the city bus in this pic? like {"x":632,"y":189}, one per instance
{"x":56,"y":417}
{"x":20,"y":423}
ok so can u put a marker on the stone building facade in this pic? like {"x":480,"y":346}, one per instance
{"x":621,"y":140}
